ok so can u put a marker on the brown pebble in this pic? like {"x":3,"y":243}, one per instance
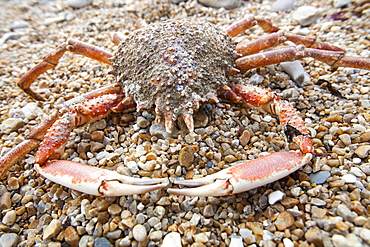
{"x":114,"y":209}
{"x":129,"y":221}
{"x":52,"y":229}
{"x":289,"y":202}
{"x":83,"y":147}
{"x":337,"y":183}
{"x":96,"y":146}
{"x":256,"y":229}
{"x":97,"y":136}
{"x":103,"y":217}
{"x":314,"y":236}
{"x":126,"y":118}
{"x":208,"y":211}
{"x":5,"y":201}
{"x":284,"y":221}
{"x":362,"y":151}
{"x":245,"y":137}
{"x":319,"y":213}
{"x":71,"y":236}
{"x":186,"y":156}
{"x":13,"y":183}
{"x":365,"y":137}
{"x":341,"y":226}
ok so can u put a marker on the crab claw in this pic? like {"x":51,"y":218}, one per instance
{"x":96,"y":181}
{"x":244,"y":175}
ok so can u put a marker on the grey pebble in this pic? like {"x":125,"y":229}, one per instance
{"x":344,"y":212}
{"x":341,"y":3}
{"x":9,"y":240}
{"x":78,"y":3}
{"x":227,"y":4}
{"x":307,"y":15}
{"x":283,"y":5}
{"x":102,"y":242}
{"x":18,"y":24}
{"x":319,"y":177}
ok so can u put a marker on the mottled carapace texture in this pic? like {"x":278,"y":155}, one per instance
{"x":174,"y":65}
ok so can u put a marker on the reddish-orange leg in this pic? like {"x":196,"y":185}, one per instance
{"x":307,"y":47}
{"x":51,"y":60}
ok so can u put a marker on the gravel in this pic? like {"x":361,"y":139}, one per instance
{"x":325,"y":203}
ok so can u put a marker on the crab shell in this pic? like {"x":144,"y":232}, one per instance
{"x":174,"y":65}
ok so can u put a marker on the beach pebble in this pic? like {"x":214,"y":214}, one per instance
{"x":78,"y":3}
{"x":344,"y":212}
{"x":236,"y":241}
{"x":349,"y":178}
{"x":52,"y":229}
{"x":172,"y":239}
{"x":284,"y":221}
{"x":275,"y":196}
{"x":283,"y":5}
{"x":31,"y":110}
{"x":227,"y":4}
{"x":11,"y":124}
{"x":9,"y":240}
{"x":102,"y":242}
{"x":362,"y":151}
{"x":9,"y":218}
{"x":319,"y":177}
{"x":139,"y":233}
{"x":314,"y":236}
{"x":10,"y":36}
{"x":18,"y":24}
{"x":296,"y":71}
{"x":71,"y":236}
{"x":341,"y":3}
{"x":306,"y":15}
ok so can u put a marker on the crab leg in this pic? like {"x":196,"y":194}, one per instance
{"x":51,"y":60}
{"x":246,"y":175}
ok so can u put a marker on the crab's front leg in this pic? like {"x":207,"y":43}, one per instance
{"x":246,"y":175}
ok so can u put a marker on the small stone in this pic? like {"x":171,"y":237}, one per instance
{"x":208,"y":211}
{"x":156,"y":235}
{"x":365,"y":137}
{"x":114,"y":234}
{"x":365,"y":235}
{"x":341,"y":3}
{"x":11,"y":124}
{"x":319,"y":177}
{"x":9,"y":240}
{"x":31,"y":110}
{"x":97,"y":136}
{"x":129,"y":221}
{"x":236,"y":241}
{"x":142,"y":122}
{"x":9,"y":218}
{"x":71,"y":236}
{"x":284,"y":221}
{"x":102,"y":242}
{"x":362,"y":151}
{"x":126,"y":118}
{"x":172,"y":239}
{"x":96,"y":146}
{"x":283,"y":5}
{"x":314,"y":236}
{"x":78,"y":3}
{"x":341,"y":226}
{"x":344,"y":212}
{"x":13,"y":183}
{"x":201,"y":238}
{"x":346,"y":139}
{"x":114,"y":209}
{"x":295,"y":70}
{"x":360,"y":221}
{"x":10,"y":36}
{"x":52,"y":229}
{"x":5,"y":201}
{"x":275,"y":196}
{"x":230,"y":158}
{"x":245,"y":137}
{"x":350,"y":240}
{"x":139,"y":233}
{"x":19,"y":24}
{"x":306,"y":15}
{"x":318,"y":213}
{"x":227,"y":4}
{"x":186,"y":156}
{"x":349,"y":178}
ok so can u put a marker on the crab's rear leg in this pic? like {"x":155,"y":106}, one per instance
{"x":51,"y":60}
{"x":246,"y":175}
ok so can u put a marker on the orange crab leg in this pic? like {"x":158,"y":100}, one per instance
{"x":246,"y":175}
{"x":51,"y":60}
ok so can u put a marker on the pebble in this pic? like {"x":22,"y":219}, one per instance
{"x":362,"y":151}
{"x":9,"y":240}
{"x":350,"y":240}
{"x":186,"y":156}
{"x":346,"y":139}
{"x":71,"y":236}
{"x":314,"y":236}
{"x":201,"y":238}
{"x":319,"y":177}
{"x":283,"y":5}
{"x":341,"y":3}
{"x":52,"y":229}
{"x":245,"y":137}
{"x":9,"y":218}
{"x":349,"y":178}
{"x":139,"y":233}
{"x":236,"y":241}
{"x":31,"y":110}
{"x":13,"y":183}
{"x":172,"y":239}
{"x":227,"y":4}
{"x":18,"y":24}
{"x":295,"y":70}
{"x":102,"y":242}
{"x":284,"y":221}
{"x":275,"y":196}
{"x":156,"y":235}
{"x":11,"y":124}
{"x":344,"y":212}
{"x":78,"y":3}
{"x":10,"y":36}
{"x":307,"y":15}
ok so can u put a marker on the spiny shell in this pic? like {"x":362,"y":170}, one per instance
{"x":174,"y":65}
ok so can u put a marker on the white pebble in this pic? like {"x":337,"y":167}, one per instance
{"x":236,"y":241}
{"x":172,"y":239}
{"x":78,"y":3}
{"x":227,"y":4}
{"x":275,"y":196}
{"x":341,"y":3}
{"x":306,"y":15}
{"x":349,"y":178}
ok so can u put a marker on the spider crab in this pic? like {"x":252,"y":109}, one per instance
{"x":173,"y":66}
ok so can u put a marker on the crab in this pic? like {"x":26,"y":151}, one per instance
{"x":173,"y":67}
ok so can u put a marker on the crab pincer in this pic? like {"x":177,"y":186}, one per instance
{"x":96,"y":181}
{"x":244,"y":175}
